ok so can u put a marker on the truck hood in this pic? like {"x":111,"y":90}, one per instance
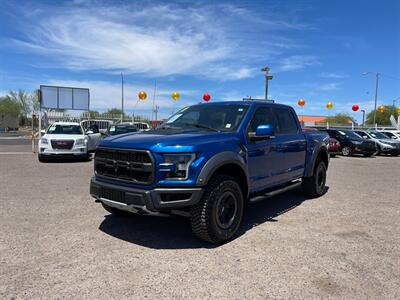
{"x":168,"y":140}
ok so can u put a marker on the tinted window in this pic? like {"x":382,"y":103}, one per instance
{"x":262,"y":116}
{"x":222,"y":117}
{"x":286,"y":121}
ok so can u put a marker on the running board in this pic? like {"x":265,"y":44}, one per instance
{"x":261,"y":197}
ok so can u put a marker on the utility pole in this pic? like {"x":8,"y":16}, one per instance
{"x":122,"y":97}
{"x":268,"y":77}
{"x":154,"y":101}
{"x":363,"y":119}
{"x":156,"y":111}
{"x":377,"y":74}
{"x":376,"y":95}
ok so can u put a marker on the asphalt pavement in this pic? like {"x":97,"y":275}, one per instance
{"x":56,"y":242}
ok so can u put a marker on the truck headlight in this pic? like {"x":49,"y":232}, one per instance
{"x":176,"y":166}
{"x":80,"y":142}
{"x":44,"y":141}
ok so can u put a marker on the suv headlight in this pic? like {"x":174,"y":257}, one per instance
{"x":44,"y":141}
{"x":176,"y":166}
{"x":80,"y":142}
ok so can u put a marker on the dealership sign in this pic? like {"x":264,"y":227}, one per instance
{"x":57,"y":97}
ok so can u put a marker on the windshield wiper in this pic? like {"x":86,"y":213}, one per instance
{"x":197,"y":125}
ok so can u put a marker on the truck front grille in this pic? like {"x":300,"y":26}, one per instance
{"x":128,"y":165}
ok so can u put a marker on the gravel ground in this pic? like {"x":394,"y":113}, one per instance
{"x":55,"y":242}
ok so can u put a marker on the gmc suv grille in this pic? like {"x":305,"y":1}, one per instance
{"x":62,"y":144}
{"x":129,"y":165}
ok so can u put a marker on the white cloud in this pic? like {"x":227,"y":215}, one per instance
{"x":159,"y":39}
{"x":332,"y":75}
{"x":332,"y":86}
{"x":297,"y":62}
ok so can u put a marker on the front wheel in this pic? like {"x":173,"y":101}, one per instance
{"x":218,"y":215}
{"x":314,"y":186}
{"x":346,"y":151}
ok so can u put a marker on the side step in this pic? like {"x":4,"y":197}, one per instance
{"x":262,"y":196}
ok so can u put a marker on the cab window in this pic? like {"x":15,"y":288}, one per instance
{"x":262,"y":116}
{"x":286,"y":121}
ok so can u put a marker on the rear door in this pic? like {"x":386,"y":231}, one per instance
{"x":291,"y":145}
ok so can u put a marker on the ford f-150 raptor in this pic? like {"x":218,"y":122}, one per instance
{"x":207,"y":161}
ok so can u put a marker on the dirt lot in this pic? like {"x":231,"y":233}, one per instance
{"x":55,"y":242}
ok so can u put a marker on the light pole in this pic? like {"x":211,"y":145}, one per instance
{"x":268,"y":77}
{"x":363,"y":119}
{"x":377,"y":74}
{"x":394,"y":104}
{"x":122,"y":97}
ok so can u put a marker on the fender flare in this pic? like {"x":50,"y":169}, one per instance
{"x":217,"y":161}
{"x":316,"y":153}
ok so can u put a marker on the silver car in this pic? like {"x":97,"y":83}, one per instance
{"x":384,"y":144}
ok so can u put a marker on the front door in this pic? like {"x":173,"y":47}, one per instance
{"x":263,"y":156}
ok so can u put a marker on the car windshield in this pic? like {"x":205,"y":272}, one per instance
{"x":224,"y":117}
{"x":377,"y":135}
{"x":349,"y":134}
{"x":114,"y":130}
{"x":64,"y":129}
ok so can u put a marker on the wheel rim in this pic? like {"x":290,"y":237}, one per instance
{"x":346,"y":151}
{"x":226,"y":210}
{"x":320,"y":179}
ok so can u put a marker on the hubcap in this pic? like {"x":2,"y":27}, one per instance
{"x":346,"y":151}
{"x":226,"y":210}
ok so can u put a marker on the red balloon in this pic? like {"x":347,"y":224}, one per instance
{"x":355,"y":107}
{"x":206,"y":97}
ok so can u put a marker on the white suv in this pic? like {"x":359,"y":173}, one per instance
{"x":68,"y":139}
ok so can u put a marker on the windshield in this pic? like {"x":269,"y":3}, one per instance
{"x":224,"y":117}
{"x":377,"y":135}
{"x":64,"y":129}
{"x":114,"y":130}
{"x":349,"y":134}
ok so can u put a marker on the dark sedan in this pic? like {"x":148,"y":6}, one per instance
{"x":352,"y":143}
{"x":121,"y":129}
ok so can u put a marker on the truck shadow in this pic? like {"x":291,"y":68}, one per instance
{"x":175,"y":232}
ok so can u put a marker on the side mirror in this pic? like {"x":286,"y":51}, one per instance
{"x":263,"y":132}
{"x":43,"y":132}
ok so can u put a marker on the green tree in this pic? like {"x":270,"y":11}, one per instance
{"x":341,"y":118}
{"x":9,"y":107}
{"x":114,"y":111}
{"x":382,"y":118}
{"x":24,"y":99}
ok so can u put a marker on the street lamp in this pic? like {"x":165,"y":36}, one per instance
{"x":376,"y":91}
{"x":268,"y":77}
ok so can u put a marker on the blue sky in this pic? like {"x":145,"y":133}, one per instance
{"x":317,"y":50}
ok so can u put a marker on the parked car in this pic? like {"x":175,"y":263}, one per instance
{"x":352,"y":143}
{"x":121,"y":129}
{"x":334,"y":147}
{"x":142,"y":126}
{"x":207,"y":161}
{"x":68,"y":139}
{"x":391,"y":134}
{"x":384,"y":144}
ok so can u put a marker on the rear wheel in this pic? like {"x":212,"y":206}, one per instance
{"x":314,"y":186}
{"x":346,"y":151}
{"x":218,"y":215}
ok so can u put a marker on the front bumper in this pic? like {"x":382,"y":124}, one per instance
{"x":153,"y":201}
{"x":63,"y":152}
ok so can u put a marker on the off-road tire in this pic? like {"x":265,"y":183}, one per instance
{"x":115,"y":211}
{"x":206,"y":216}
{"x":314,"y":186}
{"x":346,"y":151}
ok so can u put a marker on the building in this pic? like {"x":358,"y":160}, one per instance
{"x":311,"y":120}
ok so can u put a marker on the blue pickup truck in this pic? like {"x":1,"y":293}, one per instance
{"x":207,"y":162}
